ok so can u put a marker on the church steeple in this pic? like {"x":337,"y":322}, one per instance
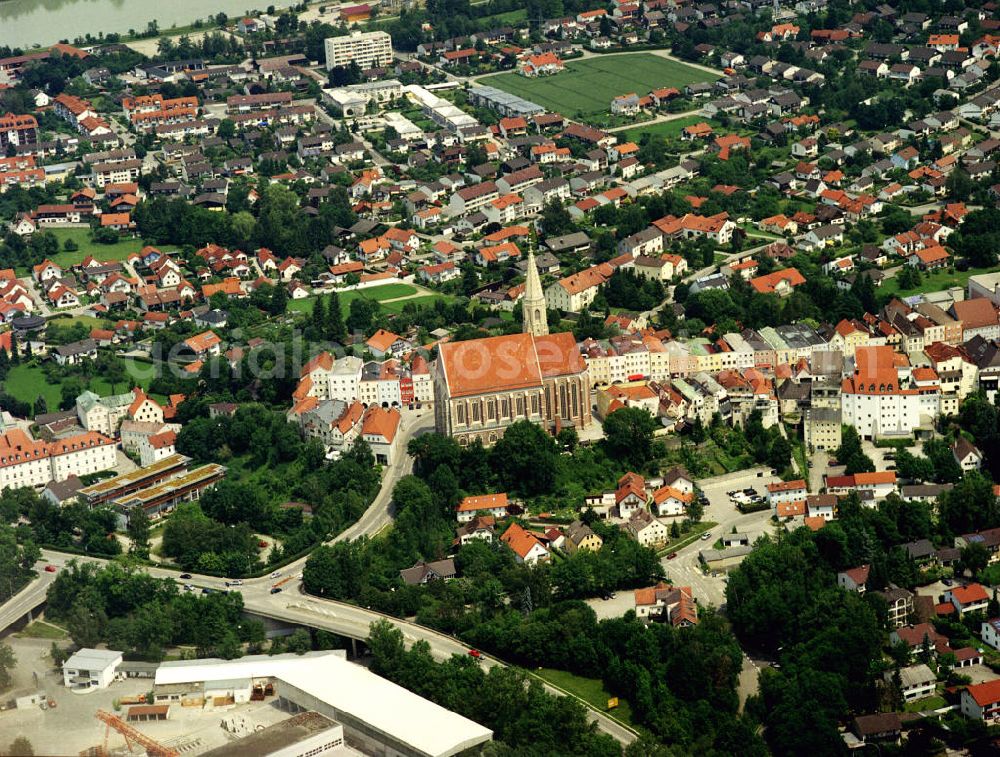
{"x":533,"y":303}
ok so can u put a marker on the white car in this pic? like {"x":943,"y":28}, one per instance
{"x":276,"y":574}
{"x":188,"y":587}
{"x":706,"y":535}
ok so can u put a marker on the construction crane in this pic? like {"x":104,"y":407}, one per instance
{"x":153,"y":748}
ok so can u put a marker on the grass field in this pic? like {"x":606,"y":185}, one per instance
{"x":120,"y":251}
{"x":380,"y":293}
{"x":27,"y":382}
{"x":935,"y":281}
{"x":590,"y":690}
{"x":42,"y":630}
{"x":588,"y":86}
{"x":668,"y":129}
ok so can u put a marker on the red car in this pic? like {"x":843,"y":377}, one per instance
{"x":50,"y":568}
{"x":672,"y":555}
{"x":475,"y":653}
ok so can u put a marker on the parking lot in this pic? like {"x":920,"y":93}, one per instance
{"x":685,"y":569}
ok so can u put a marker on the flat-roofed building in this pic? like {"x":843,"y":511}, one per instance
{"x":367,"y":49}
{"x":378,"y":716}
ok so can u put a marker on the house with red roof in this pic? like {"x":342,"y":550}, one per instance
{"x":495,"y":505}
{"x":780,"y":282}
{"x":981,"y":701}
{"x":527,"y":546}
{"x":854,"y":579}
{"x":675,"y":604}
{"x":380,"y":428}
{"x":970,"y":598}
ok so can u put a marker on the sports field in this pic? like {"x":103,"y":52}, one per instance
{"x":588,"y":86}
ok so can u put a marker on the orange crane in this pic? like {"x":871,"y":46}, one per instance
{"x":153,"y":748}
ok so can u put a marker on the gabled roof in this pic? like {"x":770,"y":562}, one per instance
{"x":522,"y":542}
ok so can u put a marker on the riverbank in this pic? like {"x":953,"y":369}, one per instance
{"x":30,"y":24}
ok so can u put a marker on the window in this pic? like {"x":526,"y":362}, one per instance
{"x":534,"y":404}
{"x":520,"y":406}
{"x":461,"y":413}
{"x":476,"y":412}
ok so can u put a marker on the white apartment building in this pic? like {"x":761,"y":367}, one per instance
{"x":367,"y":49}
{"x":873,"y":401}
{"x":350,"y":379}
{"x":27,"y":462}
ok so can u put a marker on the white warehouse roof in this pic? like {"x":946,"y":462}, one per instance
{"x":427,"y":728}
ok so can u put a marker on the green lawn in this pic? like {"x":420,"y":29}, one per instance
{"x":119,"y":251}
{"x":27,"y":382}
{"x":510,"y":17}
{"x":380,"y":293}
{"x":669,"y":129}
{"x":588,"y":86}
{"x":689,"y":538}
{"x":42,"y":630}
{"x":927,"y":703}
{"x":590,"y":690}
{"x":936,"y":281}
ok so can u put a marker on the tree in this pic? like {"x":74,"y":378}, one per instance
{"x":227,"y":129}
{"x":138,"y":531}
{"x":779,"y":453}
{"x":628,"y":435}
{"x":851,"y":455}
{"x":21,"y":747}
{"x":318,"y":317}
{"x":556,"y":220}
{"x":361,"y":317}
{"x":7,"y":663}
{"x":335,"y":328}
{"x":279,"y":301}
{"x":975,"y":558}
{"x":299,"y":642}
{"x":525,"y":459}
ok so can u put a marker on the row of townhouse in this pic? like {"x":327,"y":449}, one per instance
{"x":388,"y":383}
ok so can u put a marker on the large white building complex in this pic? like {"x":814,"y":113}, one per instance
{"x":28,"y":462}
{"x":885,"y":398}
{"x":367,"y":49}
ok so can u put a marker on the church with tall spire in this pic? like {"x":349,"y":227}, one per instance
{"x":533,"y":303}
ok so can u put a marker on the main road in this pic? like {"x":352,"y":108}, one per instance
{"x":292,"y":605}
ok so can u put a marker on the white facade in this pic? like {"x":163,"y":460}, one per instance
{"x":91,"y":668}
{"x":367,"y":49}
{"x":895,"y":413}
{"x":26,"y":462}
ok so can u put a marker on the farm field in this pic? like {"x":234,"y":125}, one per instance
{"x":588,"y":86}
{"x":81,"y":236}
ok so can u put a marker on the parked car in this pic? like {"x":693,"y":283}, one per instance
{"x":475,"y":653}
{"x":185,"y":575}
{"x":672,"y":555}
{"x":706,"y":535}
{"x":50,"y":568}
{"x":276,"y":574}
{"x":188,"y":587}
{"x":276,"y":590}
{"x":947,"y":582}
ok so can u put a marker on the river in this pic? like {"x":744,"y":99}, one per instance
{"x":24,"y":23}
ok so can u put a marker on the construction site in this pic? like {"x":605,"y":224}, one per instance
{"x":100,"y":705}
